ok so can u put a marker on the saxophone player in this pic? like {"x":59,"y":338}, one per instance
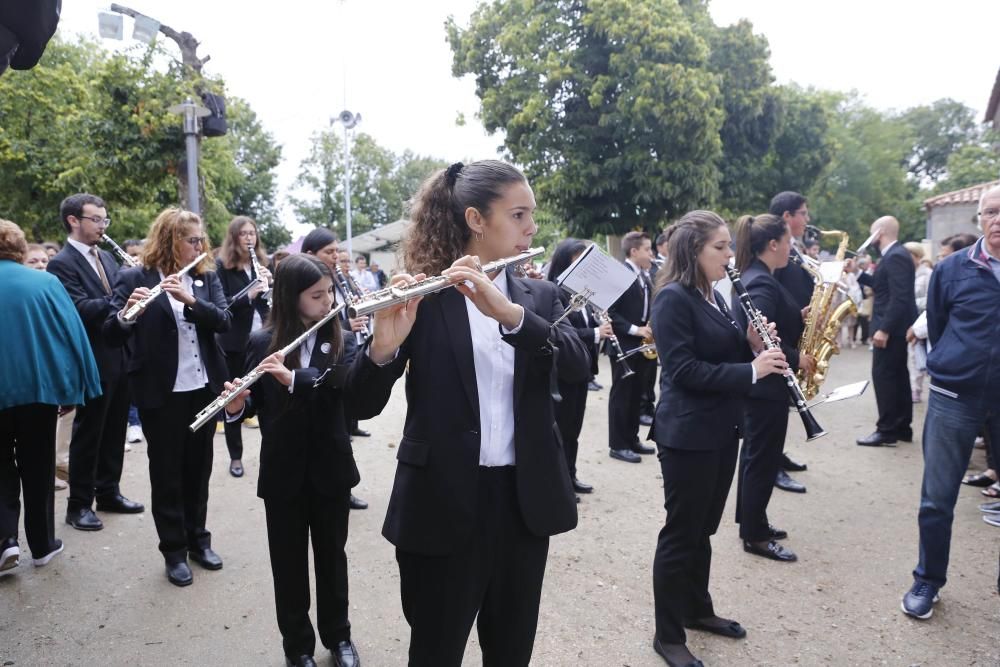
{"x":762,"y":246}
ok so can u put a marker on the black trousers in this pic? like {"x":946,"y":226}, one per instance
{"x":236,"y":364}
{"x":647,"y":401}
{"x":695,"y":486}
{"x":290,"y":523}
{"x":865,"y":323}
{"x":892,"y":388}
{"x":28,"y":460}
{"x":180,"y":464}
{"x":623,"y":401}
{"x":497,"y":575}
{"x":97,"y":449}
{"x":760,"y":459}
{"x":569,"y":419}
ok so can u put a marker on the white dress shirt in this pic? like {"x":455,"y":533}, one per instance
{"x":494,"y":366}
{"x":639,"y":274}
{"x":256,"y":324}
{"x":191,"y":373}
{"x":84,"y":250}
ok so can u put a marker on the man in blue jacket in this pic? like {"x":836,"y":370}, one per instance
{"x":963,"y":309}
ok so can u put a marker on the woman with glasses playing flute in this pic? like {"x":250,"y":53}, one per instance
{"x":481,"y":481}
{"x":707,"y":370}
{"x":249,"y":311}
{"x":175,"y":367}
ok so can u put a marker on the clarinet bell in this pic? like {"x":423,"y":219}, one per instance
{"x":813,"y":429}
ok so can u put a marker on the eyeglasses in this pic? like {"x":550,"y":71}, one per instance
{"x":247,"y":232}
{"x":94,"y":219}
{"x":195,"y":240}
{"x":990,"y":214}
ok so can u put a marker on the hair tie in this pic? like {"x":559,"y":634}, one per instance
{"x":452,"y":174}
{"x":750,"y":221}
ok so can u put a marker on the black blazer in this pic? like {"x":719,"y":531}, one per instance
{"x":895,"y":306}
{"x":585,"y":330}
{"x":777,"y":304}
{"x":304,"y":436}
{"x":797,"y":281}
{"x":706,"y":371}
{"x":152,"y":361}
{"x":234,"y":280}
{"x":92,"y":303}
{"x":433,"y":503}
{"x":626,"y":311}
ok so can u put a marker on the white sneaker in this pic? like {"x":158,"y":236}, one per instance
{"x":134,"y":433}
{"x":10,"y":559}
{"x":44,"y":560}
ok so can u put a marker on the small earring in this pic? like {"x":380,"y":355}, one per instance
{"x":481,"y":236}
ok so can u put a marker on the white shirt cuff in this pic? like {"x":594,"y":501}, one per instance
{"x":520,"y":324}
{"x":597,"y":335}
{"x":291,"y":385}
{"x":633,"y":330}
{"x":753,"y":374}
{"x":368,"y":353}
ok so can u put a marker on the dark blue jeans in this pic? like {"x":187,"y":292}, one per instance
{"x":950,"y":429}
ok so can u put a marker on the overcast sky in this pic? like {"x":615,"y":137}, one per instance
{"x":290,"y":60}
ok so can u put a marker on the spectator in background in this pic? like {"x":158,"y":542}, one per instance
{"x":362,"y":276}
{"x":380,"y":278}
{"x":916,"y":356}
{"x":52,"y":248}
{"x":37,"y":257}
{"x":867,"y":300}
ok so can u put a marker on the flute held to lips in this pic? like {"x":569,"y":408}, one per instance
{"x":391,"y":296}
{"x":140,"y":305}
{"x":213,"y":408}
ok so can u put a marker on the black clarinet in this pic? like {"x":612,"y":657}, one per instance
{"x":813,"y":429}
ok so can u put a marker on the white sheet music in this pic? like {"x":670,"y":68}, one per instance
{"x":601,"y":276}
{"x":846,"y":391}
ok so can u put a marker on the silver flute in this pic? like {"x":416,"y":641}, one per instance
{"x":227,"y":397}
{"x":392,"y":296}
{"x":268,"y":292}
{"x":756,"y":319}
{"x":141,"y":304}
{"x":123,"y":257}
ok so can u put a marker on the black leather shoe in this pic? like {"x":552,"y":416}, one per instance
{"x":119,"y":504}
{"x":179,"y":574}
{"x":786,"y":483}
{"x":718,"y":626}
{"x":207,"y":558}
{"x":361,"y":433}
{"x":792,"y":466}
{"x":236,"y":468}
{"x":905,"y":436}
{"x":626,"y":455}
{"x":878,"y":439}
{"x":84,"y":519}
{"x":346,"y":655}
{"x":646,"y":420}
{"x":301,"y":661}
{"x":771,"y":550}
{"x":643,"y":449}
{"x":676,"y":655}
{"x":356,"y":503}
{"x":775,"y":533}
{"x":580,"y":487}
{"x":594,"y":386}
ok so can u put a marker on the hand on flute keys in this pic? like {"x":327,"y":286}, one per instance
{"x":393,"y":325}
{"x":484,"y":295}
{"x":137,"y":295}
{"x":238,"y":403}
{"x":173,"y":286}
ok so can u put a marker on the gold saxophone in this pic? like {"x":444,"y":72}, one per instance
{"x":819,"y":338}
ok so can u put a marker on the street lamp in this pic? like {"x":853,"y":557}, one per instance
{"x":350,"y":121}
{"x":191,"y":112}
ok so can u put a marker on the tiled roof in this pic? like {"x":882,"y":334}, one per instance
{"x":968,"y":195}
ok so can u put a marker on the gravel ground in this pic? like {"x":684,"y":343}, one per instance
{"x":106,"y":601}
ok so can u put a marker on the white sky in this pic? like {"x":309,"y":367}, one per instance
{"x":289,"y":60}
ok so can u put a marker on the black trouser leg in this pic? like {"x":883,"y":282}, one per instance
{"x":236,"y":364}
{"x":892,"y":387}
{"x":180,"y":463}
{"x":569,"y":418}
{"x":97,"y":450}
{"x":760,"y":459}
{"x":623,"y":402}
{"x":695,"y":486}
{"x":498,"y":574}
{"x":328,"y":522}
{"x":647,"y":401}
{"x":28,"y":465}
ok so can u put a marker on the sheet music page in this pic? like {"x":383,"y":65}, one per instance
{"x":594,"y":272}
{"x":847,"y":391}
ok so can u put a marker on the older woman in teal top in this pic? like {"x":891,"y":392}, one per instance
{"x":48,"y":363}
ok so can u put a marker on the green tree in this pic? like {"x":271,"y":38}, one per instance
{"x":937,"y":131}
{"x":610,"y":105}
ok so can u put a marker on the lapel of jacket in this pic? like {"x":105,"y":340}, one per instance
{"x":520,"y":293}
{"x":151,"y":278}
{"x":87,"y":272}
{"x":455,"y":320}
{"x":714,"y":313}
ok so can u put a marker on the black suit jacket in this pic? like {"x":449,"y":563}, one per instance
{"x":777,"y":304}
{"x":797,"y":281}
{"x":152,"y":361}
{"x":304,"y":434}
{"x":433,"y":503}
{"x":626,"y":311}
{"x":92,"y":303}
{"x":585,"y":330}
{"x":895,"y":306}
{"x":234,"y":280}
{"x":706,"y":371}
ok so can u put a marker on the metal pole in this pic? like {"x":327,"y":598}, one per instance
{"x":191,"y":112}
{"x":347,"y":189}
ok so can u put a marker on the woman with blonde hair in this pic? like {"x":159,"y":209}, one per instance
{"x":176,"y":368}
